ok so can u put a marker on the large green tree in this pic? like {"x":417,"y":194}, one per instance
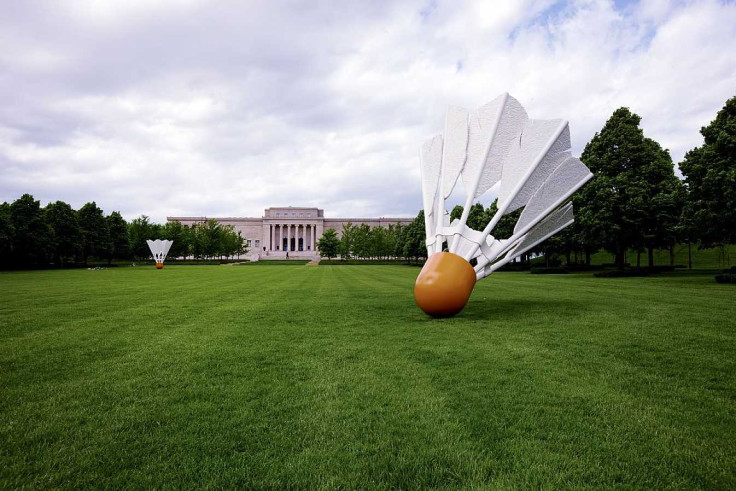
{"x":390,"y":240}
{"x":347,"y":241}
{"x":6,"y":234}
{"x":96,"y":232}
{"x":477,"y":217}
{"x":31,"y":233}
{"x":329,"y":245}
{"x":362,"y":246}
{"x":505,"y":226}
{"x":119,"y":245}
{"x":710,"y":175}
{"x":67,"y":239}
{"x":663,"y":196}
{"x":178,"y":233}
{"x":231,"y":243}
{"x":415,"y":239}
{"x":139,"y":231}
{"x":400,"y":232}
{"x":631,"y":200}
{"x":211,"y":237}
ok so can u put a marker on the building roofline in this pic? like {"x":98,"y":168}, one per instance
{"x":204,"y":219}
{"x":336,"y":219}
{"x":351,"y":219}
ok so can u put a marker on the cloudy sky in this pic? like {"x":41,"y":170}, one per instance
{"x":223,"y":108}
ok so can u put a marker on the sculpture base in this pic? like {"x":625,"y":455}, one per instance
{"x":444,"y":285}
{"x":159,"y":265}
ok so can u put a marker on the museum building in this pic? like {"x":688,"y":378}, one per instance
{"x":291,"y":229}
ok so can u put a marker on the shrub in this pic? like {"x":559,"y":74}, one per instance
{"x":726,"y":278}
{"x":520,"y":266}
{"x":554,"y":262}
{"x":660,"y":269}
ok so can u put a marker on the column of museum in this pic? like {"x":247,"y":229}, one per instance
{"x":280,"y":236}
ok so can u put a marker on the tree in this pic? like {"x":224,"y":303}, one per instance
{"x":211,"y":238}
{"x":400,"y":232}
{"x":347,"y":241}
{"x":6,"y":234}
{"x":96,"y":232}
{"x":230,"y":242}
{"x":630,"y":202}
{"x":661,"y":200}
{"x":362,"y":241}
{"x":139,"y":230}
{"x":415,"y":239}
{"x":586,"y":238}
{"x":178,"y":233}
{"x":477,"y":217}
{"x":119,"y":245}
{"x":67,"y":239}
{"x":31,"y":234}
{"x":710,"y":176}
{"x":391,"y":239}
{"x":378,"y":238}
{"x":197,"y":240}
{"x":329,"y":245}
{"x":505,"y":226}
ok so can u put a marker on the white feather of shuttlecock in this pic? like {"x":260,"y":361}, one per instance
{"x":525,"y":162}
{"x":159,"y":249}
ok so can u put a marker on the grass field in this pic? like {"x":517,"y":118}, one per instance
{"x":295,"y":376}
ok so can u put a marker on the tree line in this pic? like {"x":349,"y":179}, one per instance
{"x":58,"y":235}
{"x":376,"y":243}
{"x":635,"y":201}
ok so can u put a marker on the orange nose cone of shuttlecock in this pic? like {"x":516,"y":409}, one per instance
{"x":159,"y":265}
{"x":444,"y":285}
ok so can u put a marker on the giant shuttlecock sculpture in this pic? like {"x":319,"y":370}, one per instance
{"x":497,"y":150}
{"x":159,"y":249}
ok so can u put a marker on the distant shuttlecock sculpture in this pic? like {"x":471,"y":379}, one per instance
{"x":159,"y":249}
{"x":523,"y":162}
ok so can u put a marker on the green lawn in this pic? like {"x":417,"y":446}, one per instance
{"x":296,"y":376}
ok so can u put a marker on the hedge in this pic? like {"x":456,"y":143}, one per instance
{"x":726,"y":278}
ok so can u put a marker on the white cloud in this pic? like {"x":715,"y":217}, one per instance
{"x":169,"y":108}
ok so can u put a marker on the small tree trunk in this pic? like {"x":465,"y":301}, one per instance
{"x":689,"y":257}
{"x":587,"y":257}
{"x":651,"y":256}
{"x":638,"y":259}
{"x":620,"y":256}
{"x":672,"y":255}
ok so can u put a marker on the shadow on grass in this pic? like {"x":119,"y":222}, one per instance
{"x":519,"y":309}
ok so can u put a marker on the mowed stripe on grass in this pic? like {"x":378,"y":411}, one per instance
{"x":276,"y":376}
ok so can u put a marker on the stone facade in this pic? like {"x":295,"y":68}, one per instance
{"x":293,"y":230}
